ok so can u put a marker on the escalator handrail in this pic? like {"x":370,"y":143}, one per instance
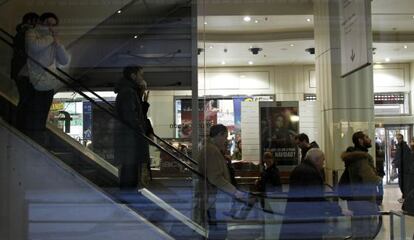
{"x":68,"y":84}
{"x":186,"y":165}
{"x":111,"y":106}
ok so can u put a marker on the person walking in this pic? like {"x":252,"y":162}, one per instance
{"x":402,"y":162}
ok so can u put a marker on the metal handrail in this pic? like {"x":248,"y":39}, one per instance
{"x":112,"y":107}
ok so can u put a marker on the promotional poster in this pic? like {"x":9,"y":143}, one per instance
{"x":279,"y":123}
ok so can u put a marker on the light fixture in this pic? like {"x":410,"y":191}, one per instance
{"x":247,"y":19}
{"x":242,"y":76}
{"x":211,"y":46}
{"x":256,"y":21}
{"x":294,"y":118}
{"x":308,"y":19}
{"x":136,"y":36}
{"x":387,"y":59}
{"x":250,"y":62}
{"x":292,"y":45}
{"x":223,"y":63}
{"x":405,"y":46}
{"x":205,"y":23}
{"x":119,"y":11}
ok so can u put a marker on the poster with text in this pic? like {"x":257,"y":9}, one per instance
{"x":279,"y":123}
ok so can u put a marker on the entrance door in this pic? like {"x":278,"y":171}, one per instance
{"x":386,"y":139}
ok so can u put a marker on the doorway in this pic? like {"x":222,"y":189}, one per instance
{"x":386,"y":140}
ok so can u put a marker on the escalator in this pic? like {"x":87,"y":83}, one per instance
{"x":165,"y":203}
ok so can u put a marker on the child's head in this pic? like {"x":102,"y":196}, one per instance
{"x":268,"y":159}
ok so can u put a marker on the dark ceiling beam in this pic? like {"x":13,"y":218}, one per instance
{"x":256,"y":37}
{"x":257,"y":7}
{"x":393,"y":37}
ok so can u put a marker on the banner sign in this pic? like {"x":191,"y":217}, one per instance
{"x":356,"y":35}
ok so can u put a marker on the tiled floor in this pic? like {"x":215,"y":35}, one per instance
{"x":390,"y":203}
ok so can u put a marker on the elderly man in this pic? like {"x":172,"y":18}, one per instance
{"x":306,"y":200}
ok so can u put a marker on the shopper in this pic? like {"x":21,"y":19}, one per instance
{"x":306,"y":200}
{"x":44,"y":46}
{"x":402,"y":161}
{"x":302,"y":141}
{"x":217,"y":180}
{"x":379,"y":165}
{"x":19,"y":60}
{"x":363,"y":185}
{"x":131,"y":147}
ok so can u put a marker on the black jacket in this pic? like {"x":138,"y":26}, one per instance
{"x":130,"y":147}
{"x":305,"y":150}
{"x":19,"y":58}
{"x":269,"y":180}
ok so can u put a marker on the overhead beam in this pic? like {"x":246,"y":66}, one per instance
{"x":255,"y":7}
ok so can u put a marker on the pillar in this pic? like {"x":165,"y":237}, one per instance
{"x":347,"y":104}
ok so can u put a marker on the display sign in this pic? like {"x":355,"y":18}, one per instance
{"x":356,"y":36}
{"x":279,"y":124}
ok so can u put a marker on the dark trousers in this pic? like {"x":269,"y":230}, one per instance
{"x":129,"y":175}
{"x":39,"y":107}
{"x":26,"y":91}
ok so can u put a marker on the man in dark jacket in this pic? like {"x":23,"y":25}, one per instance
{"x":307,"y":208}
{"x":131,"y":148}
{"x":302,"y":141}
{"x":19,"y":59}
{"x":402,"y":161}
{"x":363,"y":186}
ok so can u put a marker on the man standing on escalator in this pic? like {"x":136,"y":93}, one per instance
{"x":131,"y":147}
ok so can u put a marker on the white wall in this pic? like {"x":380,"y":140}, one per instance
{"x":41,"y":198}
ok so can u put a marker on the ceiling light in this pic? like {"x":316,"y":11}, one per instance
{"x":247,"y":19}
{"x":405,"y":46}
{"x":256,"y":21}
{"x":250,"y":62}
{"x":387,"y":59}
{"x":205,"y":23}
{"x":223,"y":63}
{"x":242,"y":76}
{"x":136,"y":36}
{"x":308,"y":19}
{"x":119,"y":11}
{"x":211,"y":46}
{"x":292,"y":45}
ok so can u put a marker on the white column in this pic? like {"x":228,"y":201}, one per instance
{"x":347,"y":104}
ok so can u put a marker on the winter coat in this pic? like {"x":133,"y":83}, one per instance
{"x":41,"y":46}
{"x":19,"y":58}
{"x":362,"y":174}
{"x":305,"y":150}
{"x":403,"y":161}
{"x":307,"y":208}
{"x":130,"y":147}
{"x":269,"y":180}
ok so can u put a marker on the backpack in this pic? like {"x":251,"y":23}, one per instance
{"x":344,"y":187}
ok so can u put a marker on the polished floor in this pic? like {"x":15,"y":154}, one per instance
{"x":391,"y":195}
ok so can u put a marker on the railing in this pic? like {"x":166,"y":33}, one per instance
{"x":113,"y":115}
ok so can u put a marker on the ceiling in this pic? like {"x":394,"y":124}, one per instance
{"x":159,"y":35}
{"x":284,"y":38}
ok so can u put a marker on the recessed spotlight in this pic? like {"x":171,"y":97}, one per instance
{"x":308,"y":19}
{"x":250,"y":62}
{"x":205,"y":23}
{"x":242,"y":76}
{"x":247,"y":19}
{"x":136,"y":36}
{"x":292,"y":45}
{"x":256,"y":21}
{"x":119,"y":11}
{"x":223,"y":63}
{"x":211,"y":46}
{"x":387,"y":59}
{"x":405,"y":46}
